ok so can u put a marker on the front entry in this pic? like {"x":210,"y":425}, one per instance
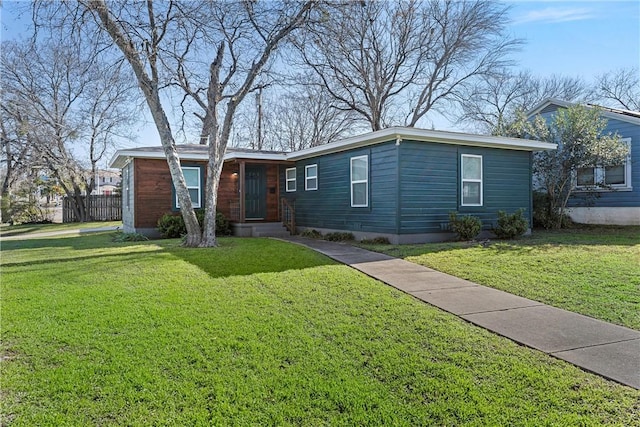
{"x":255,"y":192}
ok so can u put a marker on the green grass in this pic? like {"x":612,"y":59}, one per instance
{"x":26,"y":229}
{"x":592,"y":270}
{"x":258,"y":332}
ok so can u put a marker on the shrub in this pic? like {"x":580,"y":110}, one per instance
{"x":380,"y":240}
{"x":172,"y":226}
{"x":466,"y":227}
{"x":511,"y":226}
{"x":129,"y":237}
{"x":339,"y":236}
{"x":544,"y":216}
{"x":311,"y":234}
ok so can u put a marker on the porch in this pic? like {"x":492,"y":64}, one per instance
{"x":249,"y":196}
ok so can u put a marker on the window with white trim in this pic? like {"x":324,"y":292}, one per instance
{"x":360,"y":182}
{"x":192,"y":178}
{"x":602,"y":178}
{"x":290,"y":178}
{"x":471,"y":180}
{"x":311,"y":177}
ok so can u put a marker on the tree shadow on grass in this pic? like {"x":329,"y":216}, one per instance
{"x":233,"y":256}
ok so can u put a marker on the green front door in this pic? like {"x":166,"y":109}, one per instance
{"x":255,"y":192}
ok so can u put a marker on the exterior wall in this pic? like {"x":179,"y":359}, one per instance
{"x":128,"y":206}
{"x":329,"y":206}
{"x":228,"y":191}
{"x":412,"y":188}
{"x":154,"y":195}
{"x":273,"y":195}
{"x":606,"y":216}
{"x":612,"y":198}
{"x":430,"y":185}
{"x":154,"y":191}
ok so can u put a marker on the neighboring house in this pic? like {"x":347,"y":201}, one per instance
{"x":399,"y":182}
{"x":107,"y":182}
{"x":618,"y":202}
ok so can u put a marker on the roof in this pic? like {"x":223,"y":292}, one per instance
{"x":199,"y":152}
{"x":191,"y":152}
{"x":608,"y":112}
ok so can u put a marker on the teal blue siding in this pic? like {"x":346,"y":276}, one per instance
{"x":622,"y":198}
{"x":430,"y":185}
{"x":330,"y":205}
{"x":412,"y":188}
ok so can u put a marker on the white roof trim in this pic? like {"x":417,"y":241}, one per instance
{"x":564,"y":104}
{"x":422,"y":135}
{"x":384,"y":135}
{"x":122,"y":157}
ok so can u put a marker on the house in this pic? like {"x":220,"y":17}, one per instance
{"x":618,"y":202}
{"x":400,"y":183}
{"x":107,"y":182}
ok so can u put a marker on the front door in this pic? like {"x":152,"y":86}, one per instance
{"x":255,"y":192}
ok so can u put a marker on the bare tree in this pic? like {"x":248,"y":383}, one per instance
{"x":492,"y":103}
{"x":620,"y":89}
{"x":306,"y":117}
{"x":70,"y":108}
{"x":212,"y":52}
{"x":393,"y":62}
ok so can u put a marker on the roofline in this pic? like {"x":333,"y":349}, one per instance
{"x":423,"y":135}
{"x":122,"y":157}
{"x":565,"y":104}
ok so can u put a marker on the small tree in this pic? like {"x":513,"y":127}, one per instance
{"x":578,"y":131}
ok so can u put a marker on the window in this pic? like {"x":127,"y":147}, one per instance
{"x":359,"y":182}
{"x":192,"y":178}
{"x":617,"y":177}
{"x":586,"y":177}
{"x":290,"y":179}
{"x":311,"y":177}
{"x":471,"y":174}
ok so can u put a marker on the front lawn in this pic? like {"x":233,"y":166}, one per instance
{"x":258,"y":332}
{"x":591,"y":270}
{"x":26,"y":229}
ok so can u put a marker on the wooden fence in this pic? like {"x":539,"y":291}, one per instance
{"x":98,"y":208}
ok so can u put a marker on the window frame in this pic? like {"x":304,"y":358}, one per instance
{"x":291,"y":180}
{"x":199,"y":187}
{"x":600,"y":176}
{"x":307,"y":178}
{"x":365,"y":181}
{"x":464,"y":180}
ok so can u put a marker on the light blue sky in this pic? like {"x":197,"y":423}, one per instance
{"x":577,"y":38}
{"x":574,"y":38}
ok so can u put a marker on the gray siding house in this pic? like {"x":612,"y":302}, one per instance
{"x":618,"y":203}
{"x":400,"y":183}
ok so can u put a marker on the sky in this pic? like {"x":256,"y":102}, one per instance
{"x":573,"y":38}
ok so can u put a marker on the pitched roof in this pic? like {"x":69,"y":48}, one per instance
{"x":199,"y":152}
{"x":610,"y":113}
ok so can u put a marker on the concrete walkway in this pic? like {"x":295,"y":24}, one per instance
{"x":602,"y":348}
{"x":58,"y":233}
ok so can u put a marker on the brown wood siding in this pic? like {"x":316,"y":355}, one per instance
{"x":228,"y":196}
{"x":272,"y":193}
{"x":153,"y":190}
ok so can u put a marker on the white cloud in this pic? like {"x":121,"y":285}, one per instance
{"x":552,"y":15}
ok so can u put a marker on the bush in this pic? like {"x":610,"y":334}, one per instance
{"x":380,"y":240}
{"x":339,"y":236}
{"x":172,"y":226}
{"x":466,"y":227}
{"x":311,"y":234}
{"x":511,"y":226}
{"x":543,"y":216}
